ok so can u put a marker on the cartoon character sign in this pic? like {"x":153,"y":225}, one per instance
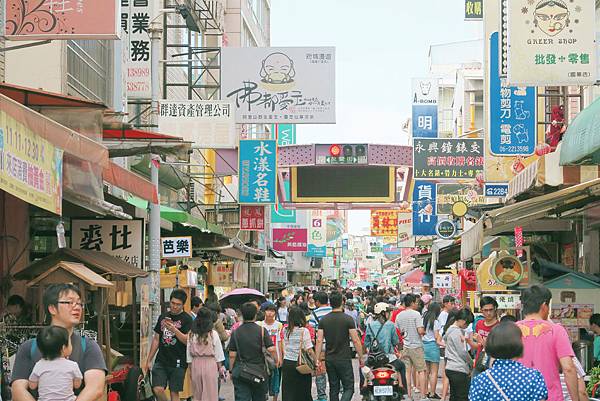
{"x":508,"y":271}
{"x":551,"y":16}
{"x":277,"y":68}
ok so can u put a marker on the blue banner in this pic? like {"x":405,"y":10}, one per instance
{"x":316,"y":251}
{"x":512,"y":112}
{"x":425,"y":121}
{"x":424,"y":217}
{"x":281,"y":215}
{"x":496,"y":190}
{"x":258,"y":172}
{"x":286,"y":134}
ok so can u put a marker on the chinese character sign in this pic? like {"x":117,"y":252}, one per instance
{"x":473,"y":10}
{"x":280,"y":84}
{"x":449,"y":194}
{"x":135,"y":21}
{"x":123,"y":239}
{"x":384,"y":223}
{"x":208,"y":123}
{"x":551,"y":42}
{"x":424,"y":217}
{"x":176,"y":247}
{"x":512,"y":112}
{"x":445,"y":280}
{"x":425,"y":107}
{"x":436,"y":159}
{"x":317,"y":234}
{"x":405,"y":233}
{"x":252,"y":218}
{"x":258,"y":172}
{"x":290,"y":239}
{"x":507,"y":301}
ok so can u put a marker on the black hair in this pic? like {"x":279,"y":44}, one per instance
{"x":203,"y":324}
{"x":595,"y":319}
{"x":304,"y":307}
{"x":280,"y":300}
{"x":321,"y":297}
{"x":558,"y":3}
{"x":335,"y":300}
{"x":270,"y":307}
{"x":448,"y":298}
{"x":433,"y":312}
{"x":296,"y":318}
{"x":458,"y":314}
{"x":487,"y":300}
{"x":508,"y":318}
{"x":213,"y":306}
{"x":211,"y":288}
{"x":409,"y":299}
{"x":179,"y":294}
{"x":54,"y":291}
{"x":505,"y":341}
{"x":195,"y":302}
{"x":15,"y":300}
{"x":533,"y":298}
{"x":51,"y":340}
{"x":249,"y":311}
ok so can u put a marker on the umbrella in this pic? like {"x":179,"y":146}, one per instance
{"x":240,"y":296}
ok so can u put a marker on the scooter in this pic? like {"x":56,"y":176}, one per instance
{"x":382,"y":384}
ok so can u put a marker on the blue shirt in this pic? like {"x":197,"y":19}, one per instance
{"x":518,"y":382}
{"x":387,"y":338}
{"x":319,"y":313}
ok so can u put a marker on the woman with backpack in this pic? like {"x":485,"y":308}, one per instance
{"x":432,"y":340}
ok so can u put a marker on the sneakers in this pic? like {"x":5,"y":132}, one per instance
{"x":434,"y":396}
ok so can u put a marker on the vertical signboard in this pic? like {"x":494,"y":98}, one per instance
{"x":424,"y":217}
{"x":317,"y":234}
{"x":252,"y":218}
{"x":135,"y":21}
{"x":473,"y":10}
{"x":258,"y":172}
{"x":425,"y":108}
{"x":286,"y":135}
{"x":405,"y":230}
{"x":512,"y":112}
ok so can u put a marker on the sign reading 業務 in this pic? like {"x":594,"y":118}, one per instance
{"x":176,"y":247}
{"x":252,"y":218}
{"x":438,"y":159}
{"x":425,"y":107}
{"x":424,"y":217}
{"x":135,"y":21}
{"x":551,"y":42}
{"x":257,"y":172}
{"x":473,"y":10}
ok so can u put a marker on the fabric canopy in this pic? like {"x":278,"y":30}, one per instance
{"x":581,"y":142}
{"x":130,"y":182}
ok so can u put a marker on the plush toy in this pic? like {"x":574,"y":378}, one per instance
{"x":557,"y":127}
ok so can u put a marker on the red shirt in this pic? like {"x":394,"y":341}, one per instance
{"x":483,"y":330}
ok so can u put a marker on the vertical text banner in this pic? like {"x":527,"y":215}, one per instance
{"x":135,"y":21}
{"x":425,"y":107}
{"x":551,"y":42}
{"x":512,"y":112}
{"x":258,"y":171}
{"x":280,"y":84}
{"x":290,"y":239}
{"x":252,"y":218}
{"x":424,"y":216}
{"x":317,"y":234}
{"x":473,"y":10}
{"x":286,"y":135}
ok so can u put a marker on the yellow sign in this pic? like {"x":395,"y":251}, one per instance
{"x":30,"y":166}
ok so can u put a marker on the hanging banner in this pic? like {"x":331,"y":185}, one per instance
{"x":449,"y":194}
{"x":123,"y":239}
{"x":405,"y":227}
{"x":176,"y":247}
{"x":258,"y":172}
{"x":317,"y":234}
{"x":252,"y":218}
{"x":441,"y":159}
{"x":551,"y":42}
{"x":286,"y":135}
{"x":30,"y":166}
{"x":280,"y":84}
{"x":61,"y":19}
{"x":424,"y":216}
{"x":473,"y":10}
{"x":135,"y":21}
{"x":206,"y":123}
{"x":290,"y":239}
{"x":384,"y":223}
{"x":425,"y":107}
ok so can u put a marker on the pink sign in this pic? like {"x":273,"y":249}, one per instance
{"x":62,"y":19}
{"x":290,"y":239}
{"x":252,"y":218}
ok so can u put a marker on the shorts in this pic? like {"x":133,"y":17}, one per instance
{"x":414,"y":358}
{"x":164,"y":376}
{"x":275,"y":382}
{"x":432,"y":351}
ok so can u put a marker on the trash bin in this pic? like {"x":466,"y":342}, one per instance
{"x":583,"y":352}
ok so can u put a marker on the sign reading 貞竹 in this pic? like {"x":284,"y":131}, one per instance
{"x":258,"y":171}
{"x":437,"y":159}
{"x":176,"y":247}
{"x":551,"y":42}
{"x":425,"y":107}
{"x":280,"y":84}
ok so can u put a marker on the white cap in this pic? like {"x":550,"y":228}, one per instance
{"x":380,"y":307}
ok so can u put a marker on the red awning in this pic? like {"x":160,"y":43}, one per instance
{"x":38,"y":98}
{"x":130,"y":182}
{"x":137,"y":135}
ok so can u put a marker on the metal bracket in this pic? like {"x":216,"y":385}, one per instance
{"x":24,"y":46}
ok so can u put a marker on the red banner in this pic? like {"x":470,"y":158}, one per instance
{"x":290,"y":239}
{"x":252,"y":218}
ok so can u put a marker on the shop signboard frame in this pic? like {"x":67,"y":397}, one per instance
{"x":425,"y":93}
{"x":257,"y":171}
{"x":176,"y":247}
{"x":448,"y":158}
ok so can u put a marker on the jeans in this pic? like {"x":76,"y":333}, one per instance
{"x":275,"y":382}
{"x":321,"y":383}
{"x":245,"y":391}
{"x":459,"y":385}
{"x":340,"y":372}
{"x":401,"y":369}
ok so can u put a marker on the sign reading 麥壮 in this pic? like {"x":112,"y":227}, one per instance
{"x":425,"y":107}
{"x":135,"y":21}
{"x":290,"y":239}
{"x":384,"y":223}
{"x":473,"y":10}
{"x":449,"y":194}
{"x":317,"y":234}
{"x":551,"y":42}
{"x":438,"y":159}
{"x":61,"y":19}
{"x":176,"y":247}
{"x":445,"y":229}
{"x":206,"y":123}
{"x":280,"y":84}
{"x":512,"y":112}
{"x":443,"y":280}
{"x":496,"y":190}
{"x":252,"y":218}
{"x":405,"y":230}
{"x":258,"y":171}
{"x":123,"y":239}
{"x":424,"y":217}
{"x":341,"y":154}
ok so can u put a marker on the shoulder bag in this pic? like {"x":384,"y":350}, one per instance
{"x":269,"y":359}
{"x":306,"y":364}
{"x":253,"y":373}
{"x":489,"y":375}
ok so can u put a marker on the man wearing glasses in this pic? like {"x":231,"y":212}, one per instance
{"x":62,"y":303}
{"x":170,"y":340}
{"x":489,"y":308}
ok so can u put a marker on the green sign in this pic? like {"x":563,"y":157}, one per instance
{"x":346,"y":160}
{"x":376,"y":249}
{"x":446,"y":229}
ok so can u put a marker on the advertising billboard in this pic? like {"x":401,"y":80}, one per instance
{"x":425,"y":107}
{"x":258,"y":171}
{"x":442,"y":159}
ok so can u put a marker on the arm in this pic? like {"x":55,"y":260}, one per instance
{"x":319,"y":345}
{"x":232,"y":356}
{"x":33,"y":385}
{"x":181,"y":336}
{"x":420,"y":326}
{"x":357,"y":345}
{"x":188,"y":352}
{"x":77,"y":383}
{"x":570,"y":373}
{"x":94,"y":385}
{"x":220,"y":328}
{"x":152,"y":353}
{"x":20,"y":390}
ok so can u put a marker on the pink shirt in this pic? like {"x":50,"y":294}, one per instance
{"x":544,"y":344}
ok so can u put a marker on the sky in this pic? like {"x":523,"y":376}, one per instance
{"x":380,"y":46}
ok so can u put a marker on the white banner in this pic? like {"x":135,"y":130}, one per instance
{"x":405,"y":234}
{"x":176,"y":247}
{"x":425,"y":92}
{"x":135,"y":21}
{"x":207,"y":123}
{"x":280,"y":84}
{"x":278,"y":275}
{"x":445,"y":280}
{"x":551,"y":42}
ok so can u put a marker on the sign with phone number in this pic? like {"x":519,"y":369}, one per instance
{"x":496,"y":190}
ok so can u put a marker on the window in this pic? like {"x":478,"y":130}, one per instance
{"x":89,"y":69}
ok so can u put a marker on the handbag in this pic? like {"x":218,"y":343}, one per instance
{"x":269,"y":359}
{"x":489,"y":375}
{"x":306,"y":363}
{"x":252,"y":373}
{"x":144,"y":388}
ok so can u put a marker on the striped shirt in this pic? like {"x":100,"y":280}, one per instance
{"x":318,"y":314}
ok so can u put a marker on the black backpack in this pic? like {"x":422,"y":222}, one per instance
{"x":377,"y":356}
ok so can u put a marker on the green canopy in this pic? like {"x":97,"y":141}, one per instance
{"x":581,"y":142}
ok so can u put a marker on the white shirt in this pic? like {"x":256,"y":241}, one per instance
{"x":219,"y":354}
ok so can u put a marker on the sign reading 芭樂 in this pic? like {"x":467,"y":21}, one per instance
{"x":257,"y":171}
{"x":280,"y":84}
{"x":473,"y":10}
{"x":206,"y":123}
{"x":425,"y":107}
{"x":551,"y":42}
{"x":123,"y":239}
{"x":176,"y":247}
{"x":437,"y":159}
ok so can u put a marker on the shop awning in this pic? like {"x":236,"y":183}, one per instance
{"x":129,"y":142}
{"x":35,"y":98}
{"x":550,"y":270}
{"x":77,"y":270}
{"x":581,"y":142}
{"x":167,"y":175}
{"x":130,"y":182}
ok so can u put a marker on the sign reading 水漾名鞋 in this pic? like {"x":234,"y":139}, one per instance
{"x":280,"y":84}
{"x":31,"y":168}
{"x":135,"y":22}
{"x":176,"y":247}
{"x":123,"y":239}
{"x":257,"y":171}
{"x":425,"y":107}
{"x":473,"y":10}
{"x":551,"y":42}
{"x":424,"y":217}
{"x":206,"y":123}
{"x":437,"y":159}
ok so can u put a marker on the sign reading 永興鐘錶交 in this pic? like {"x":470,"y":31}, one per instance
{"x":424,"y":217}
{"x":425,"y":107}
{"x":257,"y":171}
{"x":551,"y":42}
{"x":439,"y":159}
{"x":176,"y":247}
